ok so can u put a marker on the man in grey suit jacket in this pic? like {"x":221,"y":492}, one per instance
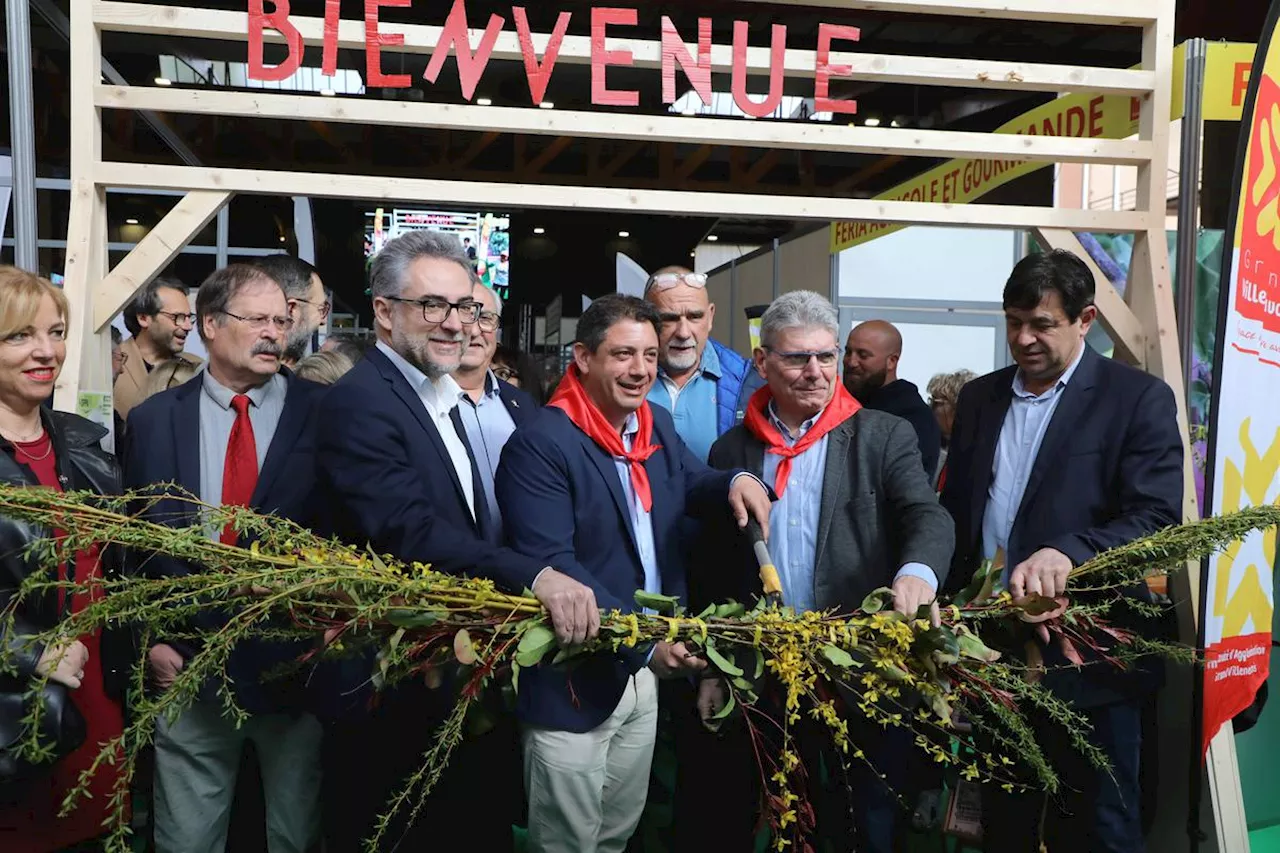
{"x":855,"y":512}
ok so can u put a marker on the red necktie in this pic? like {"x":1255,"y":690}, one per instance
{"x":240,"y":471}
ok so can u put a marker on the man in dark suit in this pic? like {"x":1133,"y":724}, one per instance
{"x":489,"y":410}
{"x":1066,"y":455}
{"x":597,"y":484}
{"x":397,"y":474}
{"x":241,"y":432}
{"x":854,"y":513}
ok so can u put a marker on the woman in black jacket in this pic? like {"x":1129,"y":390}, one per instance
{"x":43,"y":448}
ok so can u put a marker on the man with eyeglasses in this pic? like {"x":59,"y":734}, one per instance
{"x":242,"y":433}
{"x":489,"y":409}
{"x":704,"y":384}
{"x":159,"y":318}
{"x":308,"y":303}
{"x":855,"y":512}
{"x":397,"y":476}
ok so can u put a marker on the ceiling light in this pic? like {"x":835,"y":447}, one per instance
{"x":281,"y":238}
{"x":131,"y":221}
{"x":711,"y":238}
{"x":539,"y":231}
{"x":624,"y":234}
{"x":163,"y":81}
{"x":873,"y":122}
{"x":328,"y":93}
{"x":894,"y":123}
{"x":484,"y":102}
{"x":547,"y":105}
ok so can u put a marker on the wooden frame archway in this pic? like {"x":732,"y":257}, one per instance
{"x":1142,"y":323}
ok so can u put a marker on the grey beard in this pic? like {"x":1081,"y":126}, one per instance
{"x":295,"y":346}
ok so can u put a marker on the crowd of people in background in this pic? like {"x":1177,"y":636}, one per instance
{"x":655,"y":449}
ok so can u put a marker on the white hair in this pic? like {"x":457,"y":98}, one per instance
{"x":800,"y":309}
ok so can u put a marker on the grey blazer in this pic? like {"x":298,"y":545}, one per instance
{"x":878,"y":512}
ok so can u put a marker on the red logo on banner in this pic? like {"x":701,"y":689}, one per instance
{"x":1258,"y":284}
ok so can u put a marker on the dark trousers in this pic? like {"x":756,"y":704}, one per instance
{"x":367,"y":761}
{"x":719,"y":785}
{"x":1093,"y":812}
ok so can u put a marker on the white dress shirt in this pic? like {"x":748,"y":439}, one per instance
{"x":439,"y":398}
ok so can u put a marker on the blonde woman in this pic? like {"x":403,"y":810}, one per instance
{"x":53,"y":450}
{"x":325,"y":367}
{"x":944,"y":390}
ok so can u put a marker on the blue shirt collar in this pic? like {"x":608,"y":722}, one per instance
{"x":222,"y":395}
{"x":1020,"y":390}
{"x":785,"y":431}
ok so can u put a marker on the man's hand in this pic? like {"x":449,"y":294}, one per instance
{"x":712,"y":697}
{"x":749,"y":499}
{"x":572,"y":606}
{"x":165,"y":664}
{"x":64,"y":663}
{"x":909,"y":592}
{"x":1043,"y":573}
{"x":672,"y":660}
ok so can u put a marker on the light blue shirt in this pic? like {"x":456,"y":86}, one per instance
{"x":488,"y":425}
{"x":793,"y":521}
{"x":641,"y":519}
{"x":1020,"y":437}
{"x":693,"y":407}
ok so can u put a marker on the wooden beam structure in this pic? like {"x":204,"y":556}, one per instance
{"x":1142,"y":324}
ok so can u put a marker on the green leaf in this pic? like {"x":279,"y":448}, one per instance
{"x":394,"y":643}
{"x":980,"y":587}
{"x":893,"y":673}
{"x":759,"y":670}
{"x":413,"y":618}
{"x":936,"y":639}
{"x":567,"y":654}
{"x":727,"y":709}
{"x":462,"y":648}
{"x":837,"y":656}
{"x":665,"y":604}
{"x":515,"y":676}
{"x":742,"y":683}
{"x":731,"y":610}
{"x":708,"y":612}
{"x":1037,"y":605}
{"x":722,"y":663}
{"x":536,"y":641}
{"x":941,"y":707}
{"x":877,"y":600}
{"x":972,"y":647}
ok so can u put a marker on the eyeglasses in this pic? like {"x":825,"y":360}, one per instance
{"x":178,"y":318}
{"x":437,"y":310}
{"x":668,"y":280}
{"x":503,"y":372}
{"x":800,"y":360}
{"x":489,"y":321}
{"x":258,"y":322}
{"x":120,"y":356}
{"x":322,"y":308}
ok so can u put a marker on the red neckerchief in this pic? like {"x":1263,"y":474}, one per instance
{"x":840,"y":409}
{"x":572,"y":399}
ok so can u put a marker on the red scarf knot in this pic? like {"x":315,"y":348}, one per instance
{"x":572,"y":399}
{"x":840,"y":409}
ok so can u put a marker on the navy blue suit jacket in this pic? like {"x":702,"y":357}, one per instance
{"x":164,"y":447}
{"x":388,"y":480}
{"x":1110,"y":470}
{"x":563,"y":505}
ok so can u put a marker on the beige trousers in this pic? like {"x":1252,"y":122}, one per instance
{"x":586,"y":791}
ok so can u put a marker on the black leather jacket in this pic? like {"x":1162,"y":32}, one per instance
{"x":82,"y":464}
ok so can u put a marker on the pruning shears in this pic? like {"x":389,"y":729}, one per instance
{"x":768,"y":572}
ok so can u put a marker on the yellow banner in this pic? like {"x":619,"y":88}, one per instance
{"x":962,"y":181}
{"x":1226,"y":79}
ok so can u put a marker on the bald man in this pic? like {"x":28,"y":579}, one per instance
{"x":704,"y":387}
{"x":871,"y":357}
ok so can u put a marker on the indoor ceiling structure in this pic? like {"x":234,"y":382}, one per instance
{"x":488,"y":156}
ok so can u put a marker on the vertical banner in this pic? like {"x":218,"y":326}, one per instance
{"x":1244,"y":423}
